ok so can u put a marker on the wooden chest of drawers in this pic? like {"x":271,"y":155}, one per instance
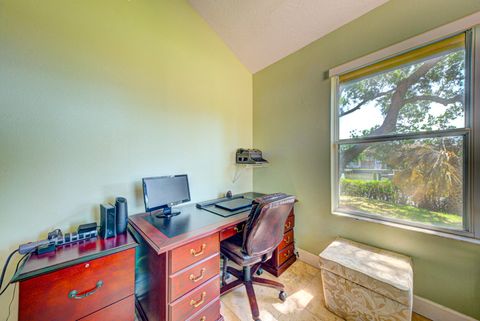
{"x":180,"y":284}
{"x":193,"y":276}
{"x":95,"y":286}
{"x":192,"y":302}
{"x":177,"y":271}
{"x":192,"y":252}
{"x":284,"y":255}
{"x":194,"y":279}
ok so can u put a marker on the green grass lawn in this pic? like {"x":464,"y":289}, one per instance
{"x":403,"y":212}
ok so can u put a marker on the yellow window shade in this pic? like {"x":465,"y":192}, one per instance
{"x":448,"y":44}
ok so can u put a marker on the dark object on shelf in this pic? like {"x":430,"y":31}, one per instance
{"x":89,"y":227}
{"x":121,"y":209}
{"x":44,"y":244}
{"x":75,"y":237}
{"x":57,"y":238}
{"x":108,"y":221}
{"x":250,"y":156}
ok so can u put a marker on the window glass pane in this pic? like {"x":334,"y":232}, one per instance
{"x":417,"y":180}
{"x":421,"y":96}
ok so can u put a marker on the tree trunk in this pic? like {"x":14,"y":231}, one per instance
{"x":397,"y":101}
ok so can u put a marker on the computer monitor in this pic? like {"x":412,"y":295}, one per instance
{"x":161,"y":193}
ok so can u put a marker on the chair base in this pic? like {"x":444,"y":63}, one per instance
{"x":247,"y":279}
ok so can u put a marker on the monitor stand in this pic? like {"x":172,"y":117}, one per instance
{"x":167,"y":212}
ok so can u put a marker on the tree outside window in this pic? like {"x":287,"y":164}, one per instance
{"x":402,"y":138}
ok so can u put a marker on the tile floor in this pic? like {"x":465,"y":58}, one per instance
{"x":304,"y":303}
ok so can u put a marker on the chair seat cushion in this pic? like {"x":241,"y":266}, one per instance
{"x":232,"y":248}
{"x":387,"y":273}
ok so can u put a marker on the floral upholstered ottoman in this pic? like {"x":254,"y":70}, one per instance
{"x":361,"y":282}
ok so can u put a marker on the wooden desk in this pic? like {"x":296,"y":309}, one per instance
{"x":178,"y":262}
{"x":103,"y":269}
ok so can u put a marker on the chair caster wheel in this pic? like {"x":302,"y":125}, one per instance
{"x":282,"y":296}
{"x":227,"y":276}
{"x":260,"y":271}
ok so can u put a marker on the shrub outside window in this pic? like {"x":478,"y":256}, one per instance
{"x":402,"y":138}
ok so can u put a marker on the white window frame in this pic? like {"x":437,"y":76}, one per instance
{"x":473,"y":91}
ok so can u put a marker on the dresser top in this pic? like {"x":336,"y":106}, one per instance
{"x":71,"y":254}
{"x":193,"y":223}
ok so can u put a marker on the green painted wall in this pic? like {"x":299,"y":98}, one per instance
{"x":291,"y":124}
{"x":96,"y":94}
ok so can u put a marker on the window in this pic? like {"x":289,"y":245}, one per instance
{"x":402,"y":140}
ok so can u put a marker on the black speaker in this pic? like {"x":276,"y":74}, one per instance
{"x":121,"y":208}
{"x":107,"y":221}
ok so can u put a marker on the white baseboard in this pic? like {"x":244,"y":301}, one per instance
{"x":437,"y":312}
{"x":422,"y":306}
{"x":307,"y":257}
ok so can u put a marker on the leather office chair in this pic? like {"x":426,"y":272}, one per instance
{"x":263,"y":233}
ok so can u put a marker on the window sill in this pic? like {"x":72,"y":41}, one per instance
{"x":462,"y":238}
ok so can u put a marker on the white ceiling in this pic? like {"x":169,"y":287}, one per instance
{"x":261,"y":32}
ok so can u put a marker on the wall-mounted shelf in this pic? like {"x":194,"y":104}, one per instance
{"x":240,"y":167}
{"x":253,"y":165}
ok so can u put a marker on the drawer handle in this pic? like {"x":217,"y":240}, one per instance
{"x":198,"y":303}
{"x":74,"y":294}
{"x":195,"y":253}
{"x":287,"y":254}
{"x":288,"y":225}
{"x":198,"y":278}
{"x":287,"y":239}
{"x":238,"y":229}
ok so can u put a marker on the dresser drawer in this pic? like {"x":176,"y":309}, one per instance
{"x":285,"y":254}
{"x":231,"y":231}
{"x":290,"y":223}
{"x":123,"y":310}
{"x":77,"y":291}
{"x":209,"y":313}
{"x":287,"y":240}
{"x":194,"y":301}
{"x":192,"y":252}
{"x":192,"y":277}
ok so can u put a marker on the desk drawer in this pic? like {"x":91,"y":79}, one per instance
{"x":287,"y":240}
{"x":209,"y":313}
{"x":98,"y":283}
{"x":123,"y":310}
{"x":290,"y":223}
{"x":186,"y":280}
{"x":194,"y":301}
{"x":231,"y":231}
{"x":192,"y":252}
{"x":285,"y":254}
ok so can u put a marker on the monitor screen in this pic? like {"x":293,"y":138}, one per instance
{"x":165,"y":191}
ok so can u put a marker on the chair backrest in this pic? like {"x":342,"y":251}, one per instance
{"x":265,"y":225}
